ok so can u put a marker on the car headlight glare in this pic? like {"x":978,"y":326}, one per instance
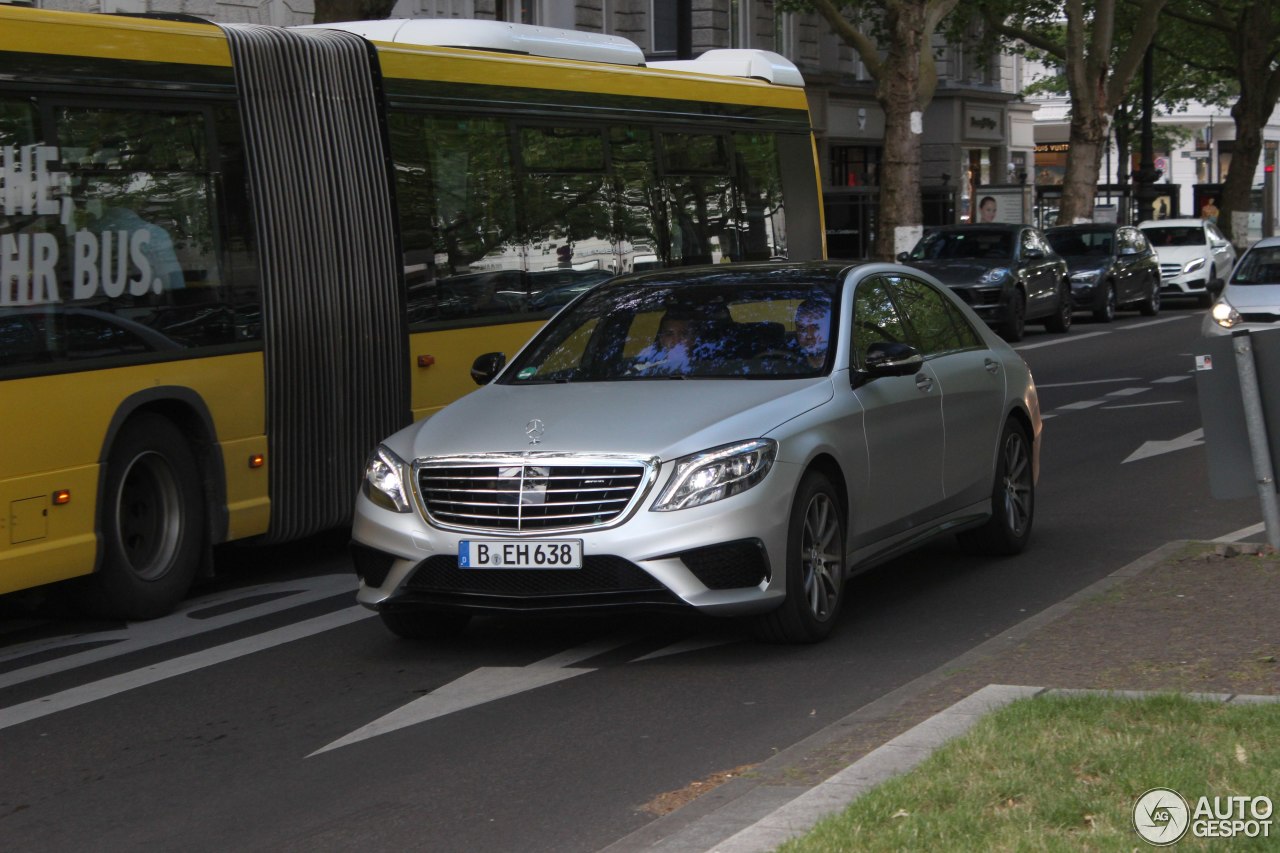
{"x":702,"y":478}
{"x":1225,"y":315}
{"x":1193,"y":265}
{"x":384,"y":481}
{"x":992,"y":276}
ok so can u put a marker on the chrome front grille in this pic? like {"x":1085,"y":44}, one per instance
{"x":528,"y":494}
{"x":1170,"y":270}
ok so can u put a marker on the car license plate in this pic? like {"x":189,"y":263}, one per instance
{"x":508,"y":554}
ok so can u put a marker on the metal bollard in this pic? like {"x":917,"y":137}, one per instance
{"x":1259,"y":448}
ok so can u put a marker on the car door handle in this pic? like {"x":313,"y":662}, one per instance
{"x":992,"y":366}
{"x":924,"y":382}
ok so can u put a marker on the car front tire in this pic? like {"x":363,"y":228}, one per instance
{"x":1106,"y":312}
{"x":1060,"y":321}
{"x":815,"y":567}
{"x":1016,"y":321}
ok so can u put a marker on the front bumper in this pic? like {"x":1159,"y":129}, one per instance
{"x":725,"y":558}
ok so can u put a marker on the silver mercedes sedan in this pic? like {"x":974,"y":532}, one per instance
{"x":736,"y":439}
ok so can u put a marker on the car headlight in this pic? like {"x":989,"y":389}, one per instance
{"x":1193,"y":265}
{"x":1225,"y":315}
{"x":994,"y":276}
{"x":1085,"y":276}
{"x":701,"y":478}
{"x":384,"y":480}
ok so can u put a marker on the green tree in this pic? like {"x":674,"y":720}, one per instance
{"x":1240,"y":38}
{"x":893,"y":38}
{"x":1081,"y":36}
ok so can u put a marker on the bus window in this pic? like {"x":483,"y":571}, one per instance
{"x":462,"y":254}
{"x":699,"y":199}
{"x":568,"y":222}
{"x":121,"y":259}
{"x":636,"y":194}
{"x":759,"y":178}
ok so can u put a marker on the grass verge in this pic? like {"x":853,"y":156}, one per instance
{"x":1063,"y":773}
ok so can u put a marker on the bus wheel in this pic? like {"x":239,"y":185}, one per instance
{"x":151,"y":520}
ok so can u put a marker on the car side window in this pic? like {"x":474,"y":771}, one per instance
{"x":939,"y":326}
{"x":875,"y":320}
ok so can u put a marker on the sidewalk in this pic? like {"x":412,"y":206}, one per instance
{"x":1190,"y":617}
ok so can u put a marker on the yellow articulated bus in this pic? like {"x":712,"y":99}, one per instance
{"x":235,"y":257}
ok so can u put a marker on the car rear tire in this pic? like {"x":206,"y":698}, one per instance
{"x":1012,"y":498}
{"x":815,"y":567}
{"x":1106,"y":312}
{"x":152,"y":523}
{"x":1016,"y":323}
{"x":1150,"y":306}
{"x":424,"y":624}
{"x":1060,"y":321}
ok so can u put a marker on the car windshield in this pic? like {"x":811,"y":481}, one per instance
{"x":1175,"y":235}
{"x":948,"y":245}
{"x":1259,"y":266}
{"x":1077,"y":243}
{"x":735,"y":327}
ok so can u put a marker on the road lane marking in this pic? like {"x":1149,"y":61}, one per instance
{"x":1144,"y":405}
{"x":1128,"y":392}
{"x":1154,"y":448}
{"x":116,"y":684}
{"x":1090,"y":382}
{"x":1243,"y":533}
{"x":186,"y":622}
{"x":1082,"y":404}
{"x":1165,"y":380}
{"x":486,"y":684}
{"x":1056,"y":341}
{"x":692,"y":644}
{"x":1147,"y":323}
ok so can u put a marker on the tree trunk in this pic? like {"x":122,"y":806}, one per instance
{"x":1084,"y":162}
{"x":898,"y":92}
{"x":1259,"y":92}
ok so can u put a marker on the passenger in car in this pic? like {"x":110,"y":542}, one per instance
{"x":671,"y":350}
{"x":813,"y":328}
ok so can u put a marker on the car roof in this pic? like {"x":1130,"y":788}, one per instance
{"x":1266,"y":243}
{"x":1086,"y":226}
{"x":979,"y":226}
{"x":800,"y":270}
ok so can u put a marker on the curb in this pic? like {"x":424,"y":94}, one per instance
{"x":744,"y":804}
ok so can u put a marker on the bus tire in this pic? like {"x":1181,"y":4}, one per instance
{"x":152,"y":523}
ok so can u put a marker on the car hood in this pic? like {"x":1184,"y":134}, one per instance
{"x":1181,"y":254}
{"x":1080,"y":263}
{"x":1258,"y":298}
{"x":662,"y":418}
{"x":960,"y":272}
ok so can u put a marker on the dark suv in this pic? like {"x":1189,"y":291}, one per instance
{"x":1110,"y":266}
{"x":1007,"y":273}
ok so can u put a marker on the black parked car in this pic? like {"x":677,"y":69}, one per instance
{"x":1007,"y":273}
{"x":1111,"y":266}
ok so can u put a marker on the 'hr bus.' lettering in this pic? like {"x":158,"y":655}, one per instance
{"x":111,"y":261}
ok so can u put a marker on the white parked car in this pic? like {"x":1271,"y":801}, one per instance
{"x":1251,"y":299}
{"x":737,"y":439}
{"x":1195,"y":259}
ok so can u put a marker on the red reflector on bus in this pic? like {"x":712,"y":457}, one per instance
{"x":62,"y":496}
{"x":426,"y":360}
{"x":257,"y":460}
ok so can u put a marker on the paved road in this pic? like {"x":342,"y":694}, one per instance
{"x":272,"y":714}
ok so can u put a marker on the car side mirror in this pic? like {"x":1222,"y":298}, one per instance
{"x":903,"y":257}
{"x":885,"y":358}
{"x":487,"y":366}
